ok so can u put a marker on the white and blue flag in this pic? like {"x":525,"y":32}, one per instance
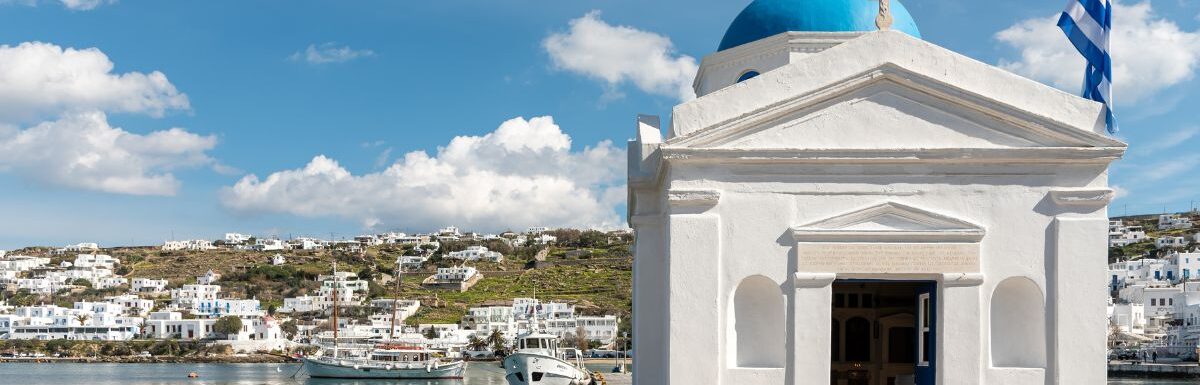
{"x":1088,"y":24}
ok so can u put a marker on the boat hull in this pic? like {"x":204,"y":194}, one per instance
{"x":527,"y":369}
{"x":318,"y":368}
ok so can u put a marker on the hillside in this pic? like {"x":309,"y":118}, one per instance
{"x":594,"y":273}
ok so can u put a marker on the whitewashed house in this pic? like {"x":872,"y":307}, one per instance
{"x":134,"y":306}
{"x":188,"y":245}
{"x":349,"y":289}
{"x":1121,"y":235}
{"x":97,"y":261}
{"x":449,"y":233}
{"x":278,"y":260}
{"x":306,"y":244}
{"x":476,"y":253}
{"x":301,"y":304}
{"x":1170,"y":242}
{"x":267,"y":245}
{"x":148,"y":286}
{"x":1174,"y":222}
{"x":411,"y":262}
{"x":237,"y":238}
{"x":368,"y":240}
{"x":189,"y":296}
{"x":101,"y":283}
{"x":1183,"y":266}
{"x":460,"y":278}
{"x":1129,"y":317}
{"x":836,"y":192}
{"x":85,"y":247}
{"x":85,"y":321}
{"x":209,"y":278}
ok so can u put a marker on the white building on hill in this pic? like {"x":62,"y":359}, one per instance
{"x":148,"y":286}
{"x":1174,"y":222}
{"x":1121,"y":235}
{"x":476,"y":253}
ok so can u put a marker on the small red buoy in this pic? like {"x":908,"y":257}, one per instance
{"x":193,"y":375}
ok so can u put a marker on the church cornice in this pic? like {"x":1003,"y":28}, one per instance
{"x":1023,"y":123}
{"x":992,"y":156}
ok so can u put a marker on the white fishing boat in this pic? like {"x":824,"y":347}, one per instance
{"x":378,"y":361}
{"x":539,"y":361}
{"x":391,"y":362}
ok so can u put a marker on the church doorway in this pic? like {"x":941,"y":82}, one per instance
{"x":883,"y":332}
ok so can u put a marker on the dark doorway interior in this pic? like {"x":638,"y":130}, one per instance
{"x":880,"y":333}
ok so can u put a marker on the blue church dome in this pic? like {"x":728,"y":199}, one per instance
{"x":765,"y":18}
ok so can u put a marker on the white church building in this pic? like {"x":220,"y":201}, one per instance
{"x":848,"y":205}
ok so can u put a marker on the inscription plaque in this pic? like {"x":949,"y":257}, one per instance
{"x":909,"y":258}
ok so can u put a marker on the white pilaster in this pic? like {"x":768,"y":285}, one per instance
{"x":812,"y":309}
{"x":959,"y":330}
{"x":694,"y":249}
{"x":1076,"y":283}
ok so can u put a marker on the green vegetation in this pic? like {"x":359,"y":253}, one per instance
{"x":593,"y":272}
{"x":594,"y":289}
{"x":228,"y":325}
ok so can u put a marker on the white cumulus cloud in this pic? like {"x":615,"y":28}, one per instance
{"x":83,"y":151}
{"x":1150,"y":53}
{"x":54,"y":126}
{"x":74,"y":5}
{"x":85,"y":5}
{"x":39,"y":80}
{"x":330,"y":53}
{"x":522,"y":174}
{"x":620,"y":54}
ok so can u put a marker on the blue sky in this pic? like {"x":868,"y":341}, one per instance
{"x":324,"y":103}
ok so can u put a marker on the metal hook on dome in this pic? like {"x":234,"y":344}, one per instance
{"x":884,"y":20}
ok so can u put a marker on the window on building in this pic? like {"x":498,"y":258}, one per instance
{"x":750,"y":74}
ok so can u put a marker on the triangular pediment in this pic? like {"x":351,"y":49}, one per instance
{"x":890,"y":107}
{"x":889,"y":222}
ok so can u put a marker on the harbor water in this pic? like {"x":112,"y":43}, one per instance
{"x":478,"y":373}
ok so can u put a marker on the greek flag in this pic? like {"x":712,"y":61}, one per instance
{"x":1087,"y":24}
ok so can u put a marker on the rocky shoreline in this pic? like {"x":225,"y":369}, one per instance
{"x":210,"y":359}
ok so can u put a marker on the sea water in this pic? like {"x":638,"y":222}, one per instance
{"x":478,"y":373}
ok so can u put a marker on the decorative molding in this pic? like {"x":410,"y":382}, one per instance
{"x":889,"y":222}
{"x":956,"y":156}
{"x":962,"y":279}
{"x":701,"y":197}
{"x":804,"y":280}
{"x":1092,"y":197}
{"x":1034,"y":127}
{"x":645,"y":219}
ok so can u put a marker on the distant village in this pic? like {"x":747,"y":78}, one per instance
{"x":148,"y":308}
{"x":1154,"y":284}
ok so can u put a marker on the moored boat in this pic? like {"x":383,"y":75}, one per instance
{"x":377,"y":361}
{"x":385,"y":362}
{"x":537,"y":360}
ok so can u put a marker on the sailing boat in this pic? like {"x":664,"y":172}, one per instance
{"x":379,"y":361}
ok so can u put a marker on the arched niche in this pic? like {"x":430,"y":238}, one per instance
{"x":757,"y":334}
{"x":1018,"y":333}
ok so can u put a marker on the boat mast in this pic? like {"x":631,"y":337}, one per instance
{"x":336,"y":282}
{"x":396,"y":299}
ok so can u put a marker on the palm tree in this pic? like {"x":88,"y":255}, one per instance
{"x":82,"y":319}
{"x":497,"y":340}
{"x":476,"y":343}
